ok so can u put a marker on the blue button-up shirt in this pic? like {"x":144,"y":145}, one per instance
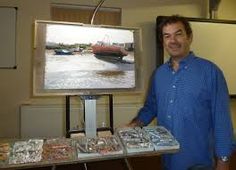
{"x":193,"y":104}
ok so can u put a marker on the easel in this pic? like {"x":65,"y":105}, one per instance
{"x":90,"y":128}
{"x":90,"y":110}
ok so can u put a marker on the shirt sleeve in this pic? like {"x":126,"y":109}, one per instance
{"x":149,"y":110}
{"x":222,"y":124}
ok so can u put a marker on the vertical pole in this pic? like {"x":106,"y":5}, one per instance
{"x":90,"y":117}
{"x":111,"y":112}
{"x":67,"y":116}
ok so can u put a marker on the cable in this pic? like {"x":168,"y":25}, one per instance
{"x":96,"y":10}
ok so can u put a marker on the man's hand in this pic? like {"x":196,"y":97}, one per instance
{"x":135,"y":122}
{"x":220,"y":165}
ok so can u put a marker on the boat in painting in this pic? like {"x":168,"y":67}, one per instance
{"x":111,"y":51}
{"x":63,"y":52}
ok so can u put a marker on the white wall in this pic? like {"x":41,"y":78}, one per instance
{"x":16,"y":85}
{"x":227,"y":11}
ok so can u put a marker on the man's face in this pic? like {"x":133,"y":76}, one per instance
{"x":175,"y":40}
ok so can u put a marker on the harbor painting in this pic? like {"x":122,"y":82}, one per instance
{"x":85,"y":57}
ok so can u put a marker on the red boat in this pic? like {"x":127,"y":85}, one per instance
{"x":109,"y":50}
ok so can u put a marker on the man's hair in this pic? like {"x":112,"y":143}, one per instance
{"x":174,"y":19}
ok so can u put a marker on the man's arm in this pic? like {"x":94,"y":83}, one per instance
{"x":223,"y":128}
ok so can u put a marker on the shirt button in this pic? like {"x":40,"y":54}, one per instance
{"x":173,"y":72}
{"x":174,"y":86}
{"x":168,"y":116}
{"x":185,"y":67}
{"x":171,"y":101}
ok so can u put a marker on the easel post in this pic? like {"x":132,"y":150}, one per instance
{"x":89,"y":116}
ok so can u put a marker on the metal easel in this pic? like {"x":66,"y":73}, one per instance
{"x":90,"y":115}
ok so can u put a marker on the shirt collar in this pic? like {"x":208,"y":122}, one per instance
{"x":185,"y":61}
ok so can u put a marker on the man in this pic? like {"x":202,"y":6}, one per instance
{"x":189,"y":96}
